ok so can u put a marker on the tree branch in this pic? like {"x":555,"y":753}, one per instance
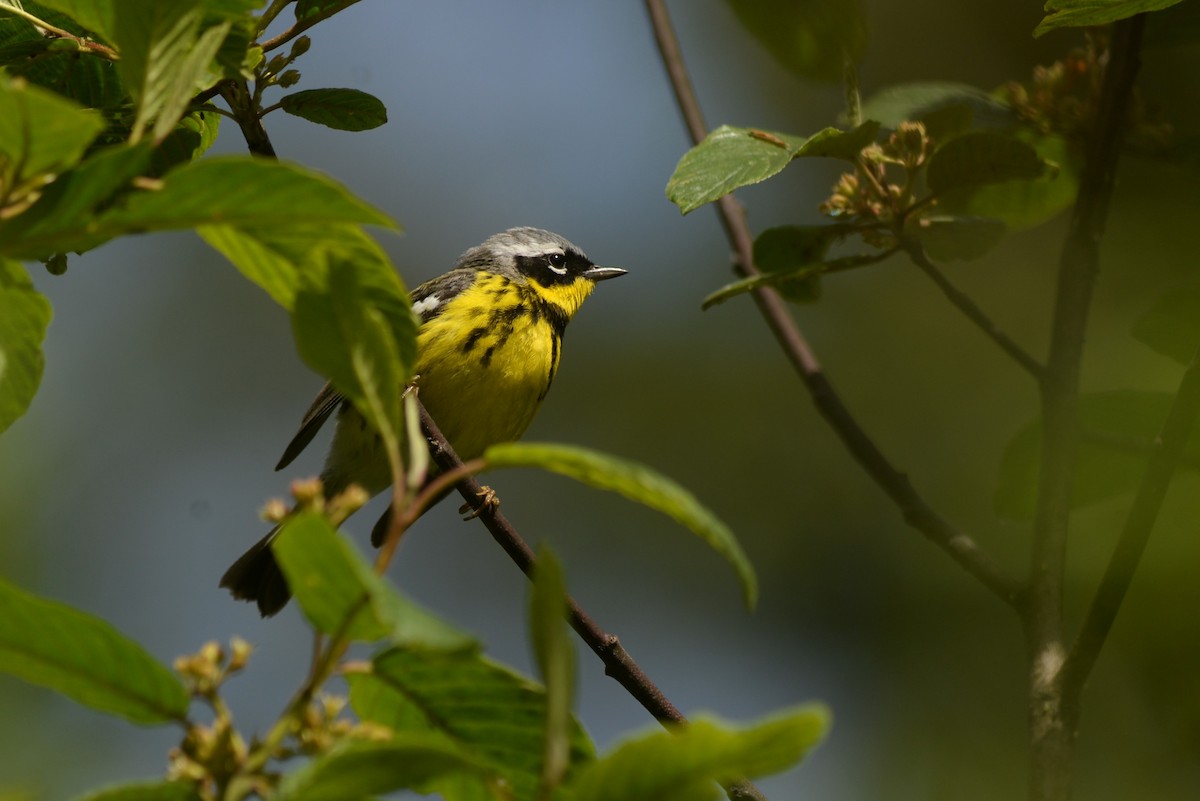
{"x":618,"y":664}
{"x":1052,"y":725}
{"x":1166,"y":456}
{"x":963,"y":303}
{"x":916,"y":512}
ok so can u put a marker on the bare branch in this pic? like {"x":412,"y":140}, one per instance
{"x":917,"y":513}
{"x":963,"y":303}
{"x":1166,"y":456}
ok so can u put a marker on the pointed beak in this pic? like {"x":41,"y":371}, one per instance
{"x":597,"y":273}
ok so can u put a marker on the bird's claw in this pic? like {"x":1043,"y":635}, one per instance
{"x":489,"y":502}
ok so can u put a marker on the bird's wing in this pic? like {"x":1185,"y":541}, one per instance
{"x":428,"y":299}
{"x":327,"y":400}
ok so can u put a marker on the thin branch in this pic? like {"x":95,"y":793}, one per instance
{"x":1051,"y":723}
{"x":618,"y":664}
{"x":303,"y":25}
{"x":237,"y":95}
{"x":916,"y":512}
{"x":963,"y":303}
{"x":86,"y":45}
{"x":1166,"y":457}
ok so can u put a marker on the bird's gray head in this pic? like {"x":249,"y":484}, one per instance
{"x":532,"y":253}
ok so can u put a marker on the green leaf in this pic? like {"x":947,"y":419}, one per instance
{"x":475,"y":703}
{"x":730,"y":158}
{"x":85,"y":658}
{"x":811,"y":39}
{"x":685,"y":762}
{"x":1023,"y":203}
{"x":981,"y":157}
{"x":946,"y":108}
{"x":947,"y":238}
{"x":98,"y":16}
{"x":145,"y":791}
{"x":24,"y":316}
{"x":1088,"y":13}
{"x":363,"y":769}
{"x":338,"y":591}
{"x":637,"y":483}
{"x":190,"y":139}
{"x":79,"y":194}
{"x":167,"y":54}
{"x":341,"y":109}
{"x":310,"y":8}
{"x":791,"y":248}
{"x":40,"y":132}
{"x":1172,"y":326}
{"x":343,"y":337}
{"x":555,"y":658}
{"x":1118,"y":428}
{"x":226,"y":190}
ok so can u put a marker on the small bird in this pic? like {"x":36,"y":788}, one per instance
{"x":488,"y":347}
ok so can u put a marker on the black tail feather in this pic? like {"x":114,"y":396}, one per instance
{"x":256,"y":576}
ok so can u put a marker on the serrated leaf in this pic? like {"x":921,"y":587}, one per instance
{"x":1088,"y":13}
{"x":947,"y":238}
{"x":1118,"y":427}
{"x":730,"y":158}
{"x":638,"y":483}
{"x":343,"y":337}
{"x":191,"y":138}
{"x":362,"y":769}
{"x":482,"y":707}
{"x":81,"y":193}
{"x":1023,"y":203}
{"x":981,"y":157}
{"x":555,"y":659}
{"x":167,"y":52}
{"x":24,"y":316}
{"x":97,"y":16}
{"x":810,"y":39}
{"x":40,"y":132}
{"x":800,"y":274}
{"x":83,"y":657}
{"x":341,"y":109}
{"x":339,"y":592}
{"x":1172,"y":326}
{"x":686,"y":762}
{"x":945,"y":107}
{"x":145,"y":791}
{"x":225,"y":190}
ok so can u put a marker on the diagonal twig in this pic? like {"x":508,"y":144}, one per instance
{"x":961,"y":301}
{"x":618,"y":664}
{"x":916,"y":511}
{"x":1166,"y":456}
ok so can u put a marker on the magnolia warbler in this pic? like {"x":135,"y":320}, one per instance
{"x":488,"y":347}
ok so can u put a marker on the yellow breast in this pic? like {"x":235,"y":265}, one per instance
{"x":485,"y":363}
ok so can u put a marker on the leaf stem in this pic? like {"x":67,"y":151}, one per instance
{"x":86,"y":45}
{"x":303,"y":25}
{"x":916,"y":511}
{"x":976,"y":315}
{"x":618,"y":663}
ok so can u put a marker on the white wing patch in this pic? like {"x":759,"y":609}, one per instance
{"x":425,"y":306}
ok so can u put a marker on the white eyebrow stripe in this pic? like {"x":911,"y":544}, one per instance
{"x":423,"y":307}
{"x":517,"y":249}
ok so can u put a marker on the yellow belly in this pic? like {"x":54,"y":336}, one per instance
{"x":482,"y":371}
{"x":487,"y":387}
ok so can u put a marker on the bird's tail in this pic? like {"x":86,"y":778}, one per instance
{"x":256,"y":576}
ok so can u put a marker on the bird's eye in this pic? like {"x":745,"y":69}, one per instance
{"x":557,"y":262}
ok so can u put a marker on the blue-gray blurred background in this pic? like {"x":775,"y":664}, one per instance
{"x":171,"y":386}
